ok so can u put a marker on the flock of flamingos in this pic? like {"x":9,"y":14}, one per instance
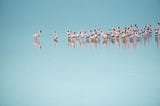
{"x":129,"y":36}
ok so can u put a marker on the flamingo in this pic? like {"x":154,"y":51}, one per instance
{"x":37,"y":35}
{"x":123,"y":35}
{"x":72,"y":36}
{"x":87,"y":35}
{"x":137,"y":35}
{"x":159,"y":31}
{"x":55,"y":36}
{"x":113,"y":32}
{"x":81,"y":34}
{"x":117,"y":34}
{"x":93,"y":36}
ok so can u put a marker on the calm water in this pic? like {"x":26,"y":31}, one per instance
{"x":89,"y":74}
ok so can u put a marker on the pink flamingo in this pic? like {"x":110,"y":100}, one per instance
{"x":37,"y":35}
{"x":55,"y":36}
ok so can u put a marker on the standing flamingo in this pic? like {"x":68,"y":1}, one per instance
{"x":159,"y":31}
{"x":37,"y":35}
{"x":55,"y":36}
{"x":123,"y":35}
{"x":72,"y":36}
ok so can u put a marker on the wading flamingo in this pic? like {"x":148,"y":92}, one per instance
{"x":37,"y":35}
{"x":55,"y":36}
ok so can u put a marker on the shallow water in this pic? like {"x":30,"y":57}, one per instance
{"x":81,"y":75}
{"x":87,"y":74}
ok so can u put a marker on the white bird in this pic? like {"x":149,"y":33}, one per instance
{"x":37,"y":35}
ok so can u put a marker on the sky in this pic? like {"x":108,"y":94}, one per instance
{"x":77,"y":14}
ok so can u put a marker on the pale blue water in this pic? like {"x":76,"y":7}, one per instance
{"x":84,"y":75}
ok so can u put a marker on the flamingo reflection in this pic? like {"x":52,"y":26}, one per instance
{"x":36,"y":44}
{"x":71,"y":43}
